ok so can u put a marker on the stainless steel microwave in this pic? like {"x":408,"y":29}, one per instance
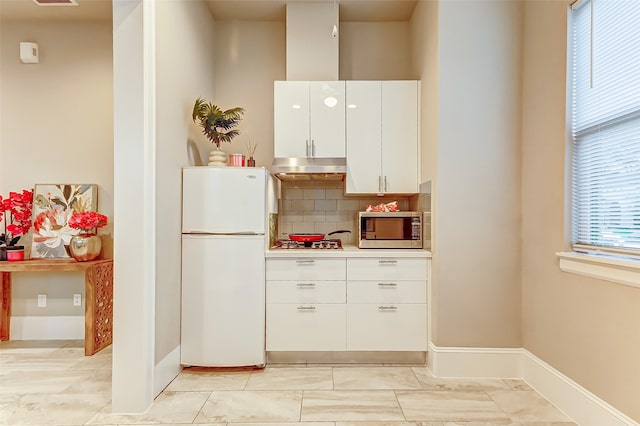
{"x":390,"y":230}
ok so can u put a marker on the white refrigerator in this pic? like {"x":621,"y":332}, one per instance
{"x":224,"y":217}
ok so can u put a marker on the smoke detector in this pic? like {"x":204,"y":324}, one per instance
{"x":56,"y":2}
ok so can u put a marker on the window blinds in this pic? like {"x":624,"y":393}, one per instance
{"x":605,"y":109}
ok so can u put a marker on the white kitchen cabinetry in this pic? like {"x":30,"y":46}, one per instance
{"x":346,"y":304}
{"x":309,"y":119}
{"x":387,"y":304}
{"x":306,"y":308}
{"x":382,"y":137}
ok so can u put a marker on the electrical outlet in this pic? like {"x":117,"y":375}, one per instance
{"x":42,"y":301}
{"x":77,"y":299}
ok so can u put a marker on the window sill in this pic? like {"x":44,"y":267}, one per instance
{"x":621,"y":271}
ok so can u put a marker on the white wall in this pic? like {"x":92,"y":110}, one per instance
{"x":249,"y":56}
{"x":184,"y":71}
{"x":312,"y":52}
{"x":56,"y":127}
{"x":586,"y":328}
{"x":478,"y":184}
{"x":476,"y":191}
{"x":424,"y":29}
{"x":375,"y":51}
{"x":134,"y":190}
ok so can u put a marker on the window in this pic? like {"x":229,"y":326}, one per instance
{"x":605,"y":126}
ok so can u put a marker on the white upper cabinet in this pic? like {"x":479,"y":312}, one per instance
{"x":291,"y":115}
{"x":400,"y":136}
{"x":309,"y":119}
{"x":382,"y":137}
{"x":364,"y":139}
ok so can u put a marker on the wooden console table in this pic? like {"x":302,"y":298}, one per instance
{"x":98,"y":285}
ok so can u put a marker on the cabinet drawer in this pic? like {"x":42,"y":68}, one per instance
{"x":387,"y":268}
{"x":387,"y":291}
{"x":306,"y":291}
{"x":376,"y":327}
{"x":308,"y":327}
{"x":306,"y":269}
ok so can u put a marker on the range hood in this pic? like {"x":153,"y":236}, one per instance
{"x":309,"y":168}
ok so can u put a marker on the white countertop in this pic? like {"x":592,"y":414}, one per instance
{"x":347,"y":251}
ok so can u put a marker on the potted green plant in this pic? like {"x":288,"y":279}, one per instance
{"x":217,"y":125}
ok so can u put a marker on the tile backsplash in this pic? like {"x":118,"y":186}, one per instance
{"x":322,"y":207}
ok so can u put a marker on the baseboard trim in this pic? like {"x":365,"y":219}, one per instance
{"x":474,"y":362}
{"x":47,"y":328}
{"x":582,"y":406}
{"x":166,"y":370}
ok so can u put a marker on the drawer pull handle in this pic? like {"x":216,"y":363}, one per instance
{"x":305,"y":262}
{"x":306,"y":308}
{"x":387,"y":285}
{"x":387,"y":262}
{"x":387,"y":308}
{"x":306,"y":285}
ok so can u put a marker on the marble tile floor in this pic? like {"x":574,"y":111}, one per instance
{"x":53,"y":383}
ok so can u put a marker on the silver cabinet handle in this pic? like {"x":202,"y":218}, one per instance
{"x":305,"y":261}
{"x":387,"y":262}
{"x":313,"y":148}
{"x":385,"y":184}
{"x":307,"y":144}
{"x":306,"y":285}
{"x":306,"y":308}
{"x":379,"y":183}
{"x":387,"y":308}
{"x":387,"y":285}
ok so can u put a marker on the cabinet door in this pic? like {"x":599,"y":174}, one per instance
{"x":387,"y":291}
{"x":294,"y":327}
{"x":364,"y":153}
{"x":376,"y":327}
{"x":400,"y":136}
{"x":291,"y":119}
{"x":326,"y":105}
{"x":306,"y":269}
{"x":306,"y":291}
{"x":387,"y":269}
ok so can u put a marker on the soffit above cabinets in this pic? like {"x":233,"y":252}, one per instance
{"x":350,"y":10}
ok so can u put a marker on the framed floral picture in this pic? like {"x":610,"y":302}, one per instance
{"x":53,"y":205}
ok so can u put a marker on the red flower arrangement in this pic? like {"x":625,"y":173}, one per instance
{"x":87,"y":221}
{"x":16,"y":212}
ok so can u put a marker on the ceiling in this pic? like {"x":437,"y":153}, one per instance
{"x":251,"y":10}
{"x":350,"y":10}
{"x":87,"y":10}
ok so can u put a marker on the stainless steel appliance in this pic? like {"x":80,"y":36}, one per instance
{"x":331,"y":244}
{"x":390,"y":230}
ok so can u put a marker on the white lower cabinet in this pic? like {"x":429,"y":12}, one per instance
{"x":386,"y":327}
{"x":353,"y":304}
{"x":306,"y":308}
{"x":306,"y":327}
{"x":387,"y":304}
{"x":305,"y":291}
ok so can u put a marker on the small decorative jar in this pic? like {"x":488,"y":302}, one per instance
{"x":236,"y":160}
{"x":251,"y":162}
{"x":85,"y":246}
{"x":15,"y":253}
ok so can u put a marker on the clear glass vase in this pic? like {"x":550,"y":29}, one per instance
{"x":85,"y":246}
